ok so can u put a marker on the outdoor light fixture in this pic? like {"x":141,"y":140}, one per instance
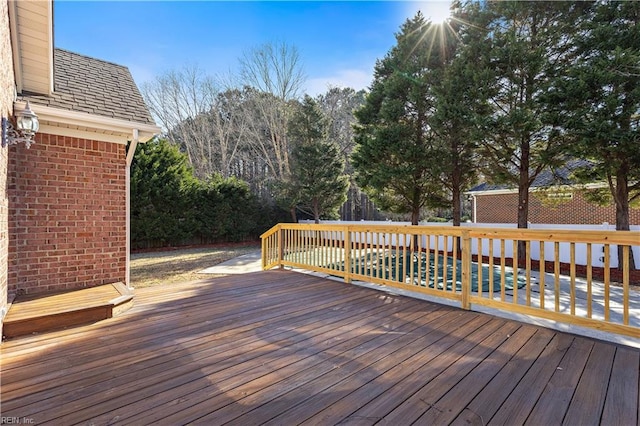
{"x":26,"y":127}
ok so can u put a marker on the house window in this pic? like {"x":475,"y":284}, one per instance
{"x":560,"y":196}
{"x":553,"y":199}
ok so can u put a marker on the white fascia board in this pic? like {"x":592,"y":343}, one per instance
{"x":50,"y":44}
{"x":576,"y":187}
{"x":15,"y":44}
{"x":598,"y":185}
{"x":493,"y":192}
{"x":90,"y":126}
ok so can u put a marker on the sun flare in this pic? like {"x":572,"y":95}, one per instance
{"x":437,"y":11}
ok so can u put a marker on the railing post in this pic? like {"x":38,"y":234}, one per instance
{"x":347,"y":255}
{"x":280,"y":247}
{"x":466,"y":270}
{"x":263,"y":253}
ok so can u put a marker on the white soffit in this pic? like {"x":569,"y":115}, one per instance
{"x":61,"y":122}
{"x":32,"y":36}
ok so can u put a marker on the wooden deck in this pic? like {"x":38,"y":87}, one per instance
{"x":282,"y":348}
{"x":40,"y":313}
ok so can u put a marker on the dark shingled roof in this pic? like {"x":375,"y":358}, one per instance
{"x":93,"y":86}
{"x":559,"y":176}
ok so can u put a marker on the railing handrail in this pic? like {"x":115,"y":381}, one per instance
{"x":631,"y":238}
{"x":564,"y":236}
{"x":271,"y":231}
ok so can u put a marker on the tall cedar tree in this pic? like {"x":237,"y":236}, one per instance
{"x":395,"y":158}
{"x":523,"y":44}
{"x":599,"y":102}
{"x":317,"y":166}
{"x":460,"y":98}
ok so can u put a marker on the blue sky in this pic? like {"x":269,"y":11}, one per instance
{"x":339,"y":41}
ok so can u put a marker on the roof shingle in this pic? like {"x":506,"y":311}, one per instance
{"x":93,"y":86}
{"x":548,"y":177}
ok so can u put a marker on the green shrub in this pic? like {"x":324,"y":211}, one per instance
{"x":171,"y":207}
{"x":437,"y":219}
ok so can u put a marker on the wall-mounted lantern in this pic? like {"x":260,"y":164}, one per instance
{"x":25,"y":129}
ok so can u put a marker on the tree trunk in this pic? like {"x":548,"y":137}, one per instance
{"x":523,"y":207}
{"x":621,"y":198}
{"x":415,"y":214}
{"x":294,"y":216}
{"x":316,"y":211}
{"x":415,"y":219}
{"x":456,"y":180}
{"x":457,"y":205}
{"x":523,"y":201}
{"x":457,"y":210}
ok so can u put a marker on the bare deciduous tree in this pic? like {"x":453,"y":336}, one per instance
{"x":204,"y":121}
{"x":273,"y":68}
{"x":275,"y":73}
{"x":229,"y":126}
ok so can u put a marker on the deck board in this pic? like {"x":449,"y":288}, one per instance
{"x":281,"y":347}
{"x":590,"y":393}
{"x":620,"y":406}
{"x":557,"y":394}
{"x":487,"y":402}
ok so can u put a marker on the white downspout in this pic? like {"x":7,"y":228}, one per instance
{"x":130,"y":153}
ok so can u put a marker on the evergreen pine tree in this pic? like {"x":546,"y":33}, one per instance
{"x":598,"y":102}
{"x":317,"y":181}
{"x":396,"y":159}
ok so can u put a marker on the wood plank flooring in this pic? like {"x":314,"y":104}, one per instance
{"x":284,"y":348}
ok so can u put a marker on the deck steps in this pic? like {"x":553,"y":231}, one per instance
{"x":47,"y":312}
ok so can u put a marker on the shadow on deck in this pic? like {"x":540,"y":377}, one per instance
{"x":281,"y":347}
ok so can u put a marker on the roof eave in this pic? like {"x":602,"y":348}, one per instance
{"x":574,"y":187}
{"x":62,"y":122}
{"x":493,"y":192}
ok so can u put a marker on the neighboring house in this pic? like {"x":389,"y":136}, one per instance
{"x":554,"y":199}
{"x":64,"y":201}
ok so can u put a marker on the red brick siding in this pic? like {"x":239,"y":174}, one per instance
{"x":4,"y":236}
{"x":7,"y":91}
{"x":503,"y":208}
{"x":496,"y":208}
{"x":67,"y":209}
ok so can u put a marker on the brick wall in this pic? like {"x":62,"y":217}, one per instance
{"x":503,"y":208}
{"x":67,"y":209}
{"x":7,"y":91}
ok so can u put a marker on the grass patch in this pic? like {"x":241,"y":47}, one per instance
{"x":175,"y":266}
